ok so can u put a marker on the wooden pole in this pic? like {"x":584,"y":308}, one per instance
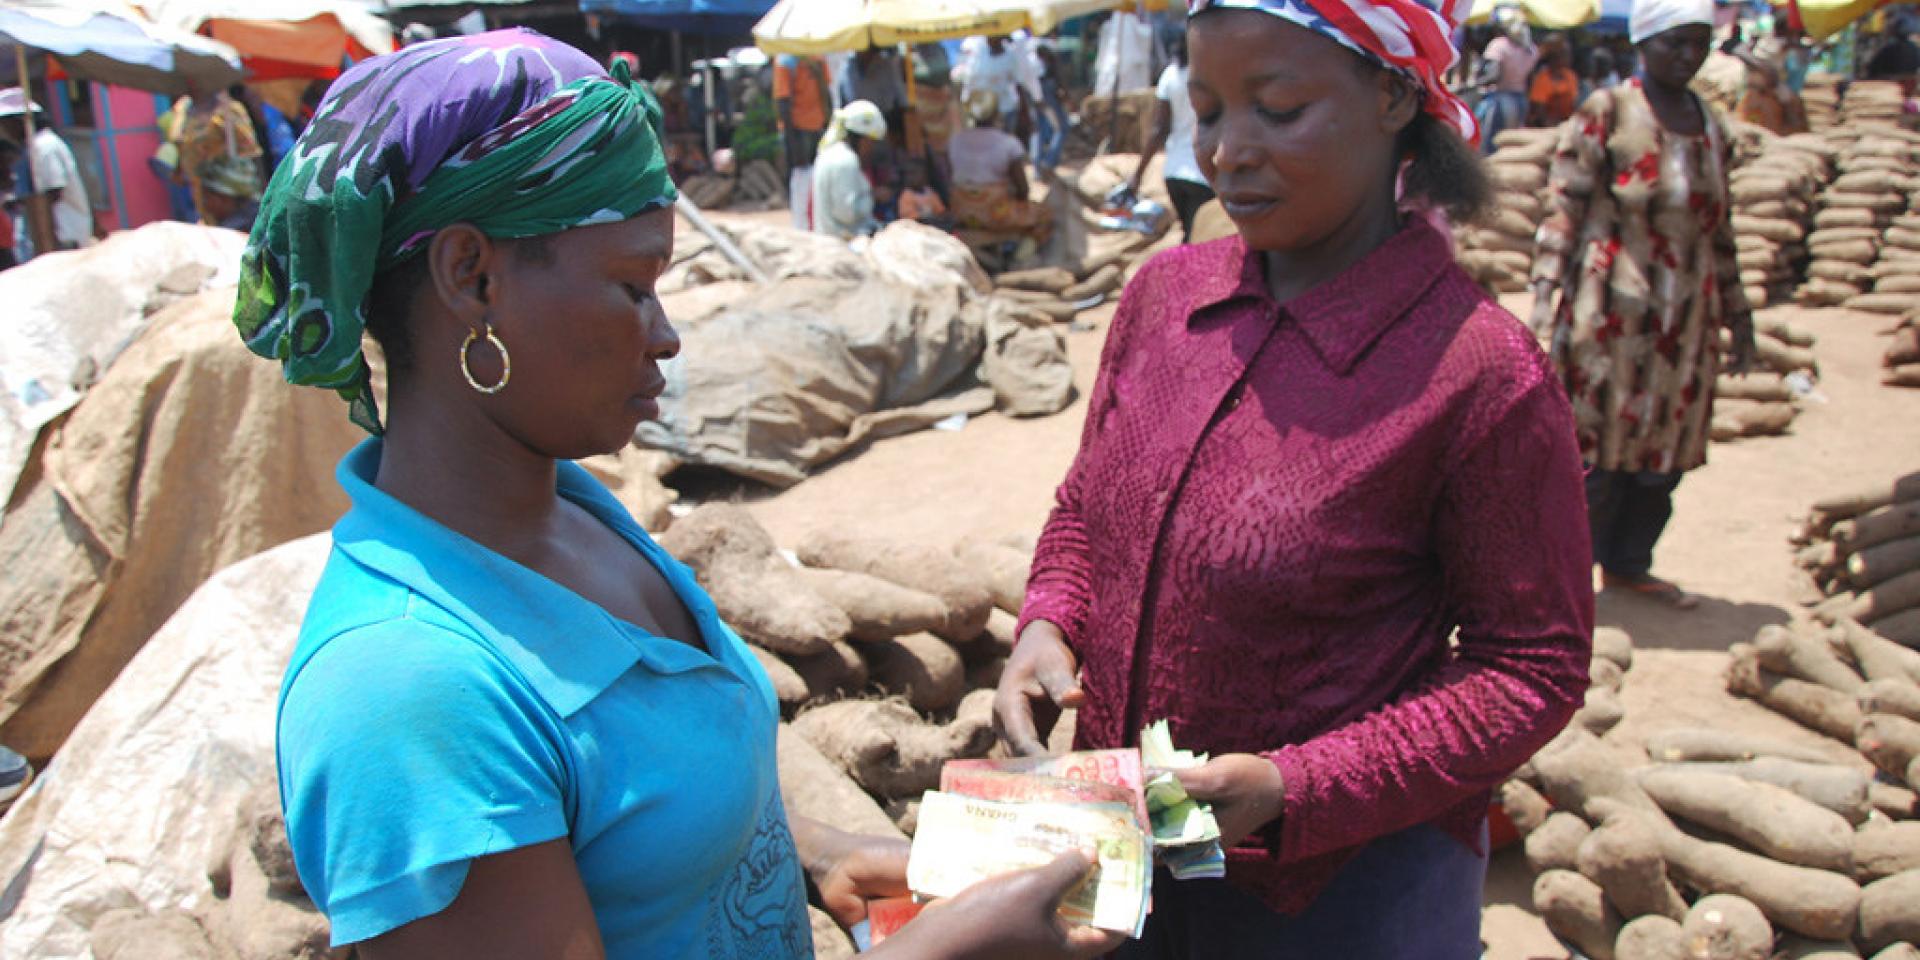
{"x":38,"y":206}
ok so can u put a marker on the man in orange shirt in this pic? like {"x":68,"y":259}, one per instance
{"x":800,"y":86}
{"x":1554,"y":92}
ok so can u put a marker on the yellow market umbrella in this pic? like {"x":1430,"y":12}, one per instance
{"x":1547,"y":14}
{"x":1824,"y":18}
{"x":815,"y":27}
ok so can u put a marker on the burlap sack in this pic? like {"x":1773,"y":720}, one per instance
{"x":1877,"y":202}
{"x":1852,"y":251}
{"x":1759,"y":189}
{"x":1839,"y":270}
{"x":1886,"y":303}
{"x":1844,"y":217}
{"x":1758,"y":259}
{"x":1026,"y":361}
{"x":1778,"y":231}
{"x":1827,"y":235}
{"x":1903,"y":237}
{"x":1499,"y":242}
{"x":190,"y":454}
{"x":1825,"y":293}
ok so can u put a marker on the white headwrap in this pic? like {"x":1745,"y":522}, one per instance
{"x":861,"y":118}
{"x":1654,"y":17}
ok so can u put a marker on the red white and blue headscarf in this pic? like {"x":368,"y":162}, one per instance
{"x":1411,"y":37}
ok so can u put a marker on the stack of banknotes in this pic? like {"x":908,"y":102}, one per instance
{"x":991,"y":817}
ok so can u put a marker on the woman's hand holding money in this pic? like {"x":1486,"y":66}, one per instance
{"x":1246,"y":791}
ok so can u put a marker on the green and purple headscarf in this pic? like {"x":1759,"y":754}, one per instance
{"x":509,"y":131}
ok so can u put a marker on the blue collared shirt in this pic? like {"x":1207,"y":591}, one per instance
{"x":446,"y":703}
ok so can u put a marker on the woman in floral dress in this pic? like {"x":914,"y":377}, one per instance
{"x":1634,"y":279}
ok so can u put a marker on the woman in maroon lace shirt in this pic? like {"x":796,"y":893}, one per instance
{"x":1327,"y":513}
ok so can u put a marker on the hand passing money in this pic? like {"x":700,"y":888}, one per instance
{"x":992,"y":817}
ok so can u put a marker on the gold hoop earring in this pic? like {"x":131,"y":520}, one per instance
{"x":506,"y":362}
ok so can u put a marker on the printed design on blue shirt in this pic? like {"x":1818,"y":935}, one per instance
{"x":760,"y":910}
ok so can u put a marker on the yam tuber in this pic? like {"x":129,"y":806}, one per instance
{"x":1884,"y":561}
{"x":1882,"y":525}
{"x":933,"y":571}
{"x":1702,"y":744}
{"x":1555,"y":844}
{"x":1623,"y":856}
{"x":1899,"y":951}
{"x":1523,"y":805}
{"x":1881,"y":850}
{"x":1869,"y":498}
{"x":1893,"y":801}
{"x":1652,"y":937}
{"x":1878,"y":657}
{"x":1891,"y":742}
{"x":1601,"y":711}
{"x":812,"y":786}
{"x":1726,"y":927}
{"x":1577,"y":911}
{"x":1606,"y":674}
{"x":1792,"y":654}
{"x":788,"y":687}
{"x":1902,"y":628}
{"x":1761,"y":388}
{"x":1613,"y":643}
{"x":1770,"y":819}
{"x":1795,"y":947}
{"x":886,"y":747}
{"x":920,"y":667}
{"x":1890,"y":911}
{"x":1004,"y":568}
{"x":1897,"y":697}
{"x":878,"y":609}
{"x":1842,"y":790}
{"x":755,"y":589}
{"x":1581,"y":772}
{"x":1817,"y":903}
{"x":997,"y":640}
{"x":838,"y":670}
{"x":1886,"y":598}
{"x":1813,"y":706}
{"x":829,"y":941}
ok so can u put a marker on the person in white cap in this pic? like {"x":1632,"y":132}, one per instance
{"x":55,"y":173}
{"x":1634,"y":279}
{"x":842,"y":197}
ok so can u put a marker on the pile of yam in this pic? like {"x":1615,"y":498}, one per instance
{"x":758,"y":186}
{"x":1716,"y":843}
{"x":1498,"y":251}
{"x":1902,"y":358}
{"x":1776,"y":182}
{"x":1765,"y":401}
{"x":1861,"y":552}
{"x":1878,"y":169}
{"x":883,"y":654}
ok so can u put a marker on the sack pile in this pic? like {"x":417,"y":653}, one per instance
{"x":1776,"y":182}
{"x":1498,"y":253}
{"x":1821,"y":97}
{"x":1764,"y":403}
{"x":1902,"y":358}
{"x":1879,"y":168}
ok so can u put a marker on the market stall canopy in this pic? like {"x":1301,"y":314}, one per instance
{"x":731,"y":17}
{"x":1549,"y":14}
{"x":105,"y":41}
{"x":815,"y":27}
{"x":1824,"y":18}
{"x":311,"y":33}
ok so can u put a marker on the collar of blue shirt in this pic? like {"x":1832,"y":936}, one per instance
{"x":568,"y":648}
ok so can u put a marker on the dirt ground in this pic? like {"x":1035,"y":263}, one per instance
{"x":1727,"y":542}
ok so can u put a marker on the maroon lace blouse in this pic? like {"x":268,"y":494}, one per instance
{"x":1348,"y":534}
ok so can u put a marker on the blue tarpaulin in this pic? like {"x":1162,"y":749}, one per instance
{"x":686,"y":16}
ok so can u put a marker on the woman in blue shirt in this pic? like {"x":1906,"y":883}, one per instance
{"x":513,"y":726}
